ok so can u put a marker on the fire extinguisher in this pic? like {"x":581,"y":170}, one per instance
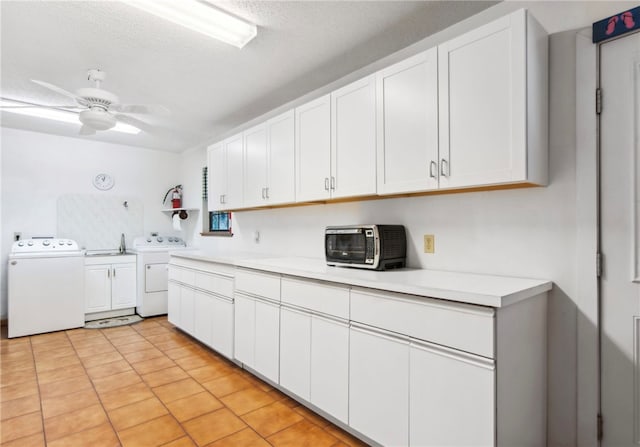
{"x":176,"y":196}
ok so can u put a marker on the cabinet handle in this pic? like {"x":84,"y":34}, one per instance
{"x":263,"y":194}
{"x":432,"y":165}
{"x":326,"y":183}
{"x":114,"y":272}
{"x":444,"y":163}
{"x":109,"y":273}
{"x":220,"y":199}
{"x":266,"y":192}
{"x":333,"y":183}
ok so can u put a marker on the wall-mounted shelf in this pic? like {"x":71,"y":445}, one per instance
{"x":173,"y":210}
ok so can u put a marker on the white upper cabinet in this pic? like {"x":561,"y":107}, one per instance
{"x":336,"y":144}
{"x":313,"y":150}
{"x":353,"y":139}
{"x":216,"y":176}
{"x":255,"y":165}
{"x":493,"y":104}
{"x":269,"y":162}
{"x":233,"y":149}
{"x":407,"y":125}
{"x":225,"y":173}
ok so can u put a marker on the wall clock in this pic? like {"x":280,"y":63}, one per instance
{"x":103,"y":182}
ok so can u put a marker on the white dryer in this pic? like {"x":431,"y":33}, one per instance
{"x":152,"y":264}
{"x":46,"y":286}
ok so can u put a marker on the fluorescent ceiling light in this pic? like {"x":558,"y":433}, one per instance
{"x":201,"y":17}
{"x":57,"y":115}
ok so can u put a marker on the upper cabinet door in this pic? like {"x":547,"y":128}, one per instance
{"x":255,"y":166}
{"x":407,"y":123}
{"x":216,"y":176}
{"x":233,"y":198}
{"x":313,"y":150}
{"x":281,"y":186}
{"x":493,"y":89}
{"x":353,"y":139}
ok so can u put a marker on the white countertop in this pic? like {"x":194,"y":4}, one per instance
{"x":485,"y":290}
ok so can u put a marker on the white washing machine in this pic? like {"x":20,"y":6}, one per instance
{"x":153,"y":281}
{"x":46,"y":286}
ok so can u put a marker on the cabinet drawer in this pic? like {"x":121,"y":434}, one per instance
{"x":321,"y":297}
{"x":220,"y":285}
{"x":258,"y":283}
{"x":182,"y":275}
{"x":461,"y":326}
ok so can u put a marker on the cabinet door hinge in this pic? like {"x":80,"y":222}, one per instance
{"x":600,"y":424}
{"x":598,"y":101}
{"x":598,"y":265}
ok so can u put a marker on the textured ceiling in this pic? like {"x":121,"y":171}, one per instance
{"x":210,"y":87}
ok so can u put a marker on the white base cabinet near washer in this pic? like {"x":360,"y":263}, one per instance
{"x":200,"y":302}
{"x":109,"y":285}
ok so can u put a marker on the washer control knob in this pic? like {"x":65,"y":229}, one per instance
{"x":69,"y":243}
{"x":159,"y":239}
{"x":20,"y":244}
{"x":148,"y":239}
{"x":46,"y":242}
{"x":30,"y":243}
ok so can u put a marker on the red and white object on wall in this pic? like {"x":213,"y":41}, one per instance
{"x":176,"y":196}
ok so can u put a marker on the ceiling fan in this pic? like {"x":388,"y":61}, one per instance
{"x":98,"y":109}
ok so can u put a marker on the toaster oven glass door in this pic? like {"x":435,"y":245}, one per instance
{"x":350,"y":248}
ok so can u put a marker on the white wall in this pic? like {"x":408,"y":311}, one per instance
{"x":530,"y":232}
{"x":38,"y":168}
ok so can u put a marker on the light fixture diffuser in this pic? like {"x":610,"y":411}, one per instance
{"x":57,"y":115}
{"x":201,"y":17}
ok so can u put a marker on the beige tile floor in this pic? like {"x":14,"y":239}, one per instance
{"x":146,"y":384}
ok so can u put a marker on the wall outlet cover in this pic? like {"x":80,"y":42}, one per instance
{"x":429,"y":243}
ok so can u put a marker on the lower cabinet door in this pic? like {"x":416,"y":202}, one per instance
{"x":173,"y":303}
{"x":244,"y":329}
{"x":187,"y":310}
{"x":330,"y":366}
{"x":452,"y":398}
{"x":379,"y":386}
{"x":267,"y":345}
{"x":123,"y":289}
{"x":97,"y":288}
{"x":295,"y":351}
{"x":222,"y":333}
{"x":203,"y":317}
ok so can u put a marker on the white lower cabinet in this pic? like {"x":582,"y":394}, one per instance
{"x":379,"y":386}
{"x":295,"y":351}
{"x":257,"y":335}
{"x":329,"y":388}
{"x":244,"y":329}
{"x":200,"y":303}
{"x":187,"y":310}
{"x":110,"y":286}
{"x":452,"y":397}
{"x":267,"y":346}
{"x":203,"y":317}
{"x":173,"y":303}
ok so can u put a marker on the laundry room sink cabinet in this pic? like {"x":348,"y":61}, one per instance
{"x":109,"y":285}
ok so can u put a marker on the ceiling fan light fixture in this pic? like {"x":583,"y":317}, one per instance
{"x":97,"y":119}
{"x":61,"y":116}
{"x":201,"y":17}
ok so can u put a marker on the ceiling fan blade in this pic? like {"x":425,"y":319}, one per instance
{"x":62,"y":91}
{"x":40,"y":106}
{"x":135,"y":123}
{"x":86,"y":130}
{"x":8,"y":103}
{"x":142,"y":109}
